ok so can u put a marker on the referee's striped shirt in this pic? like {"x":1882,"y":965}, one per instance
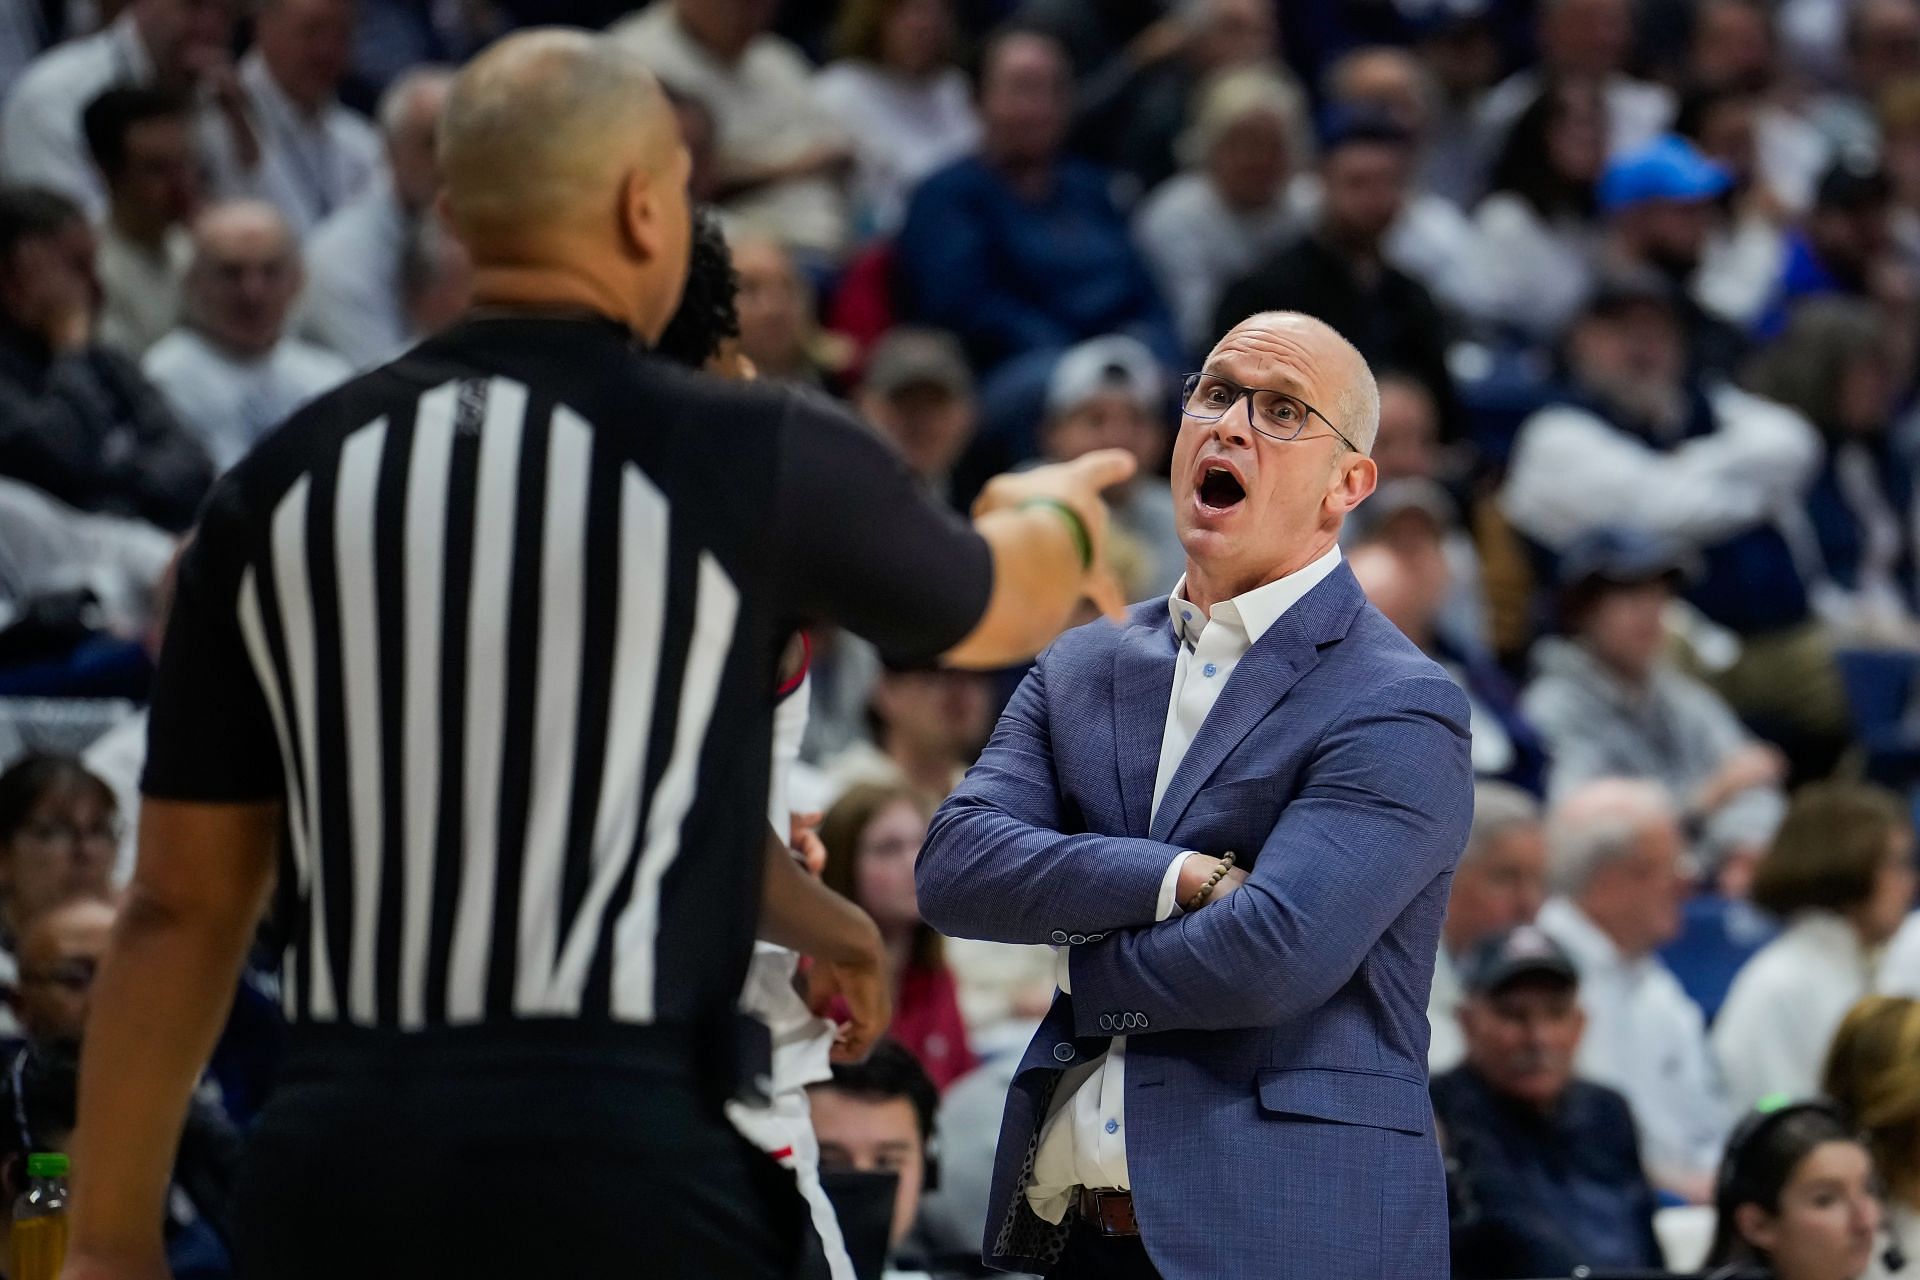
{"x":499,"y":623}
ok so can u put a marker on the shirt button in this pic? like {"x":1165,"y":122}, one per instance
{"x":1113,"y":1126}
{"x":1209,"y":671}
{"x":1063,"y":1053}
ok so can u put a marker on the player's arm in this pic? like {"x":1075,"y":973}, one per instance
{"x":856,"y":542}
{"x":849,"y":959}
{"x":200,"y":887}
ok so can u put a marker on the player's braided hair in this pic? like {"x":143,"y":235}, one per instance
{"x":708,"y":313}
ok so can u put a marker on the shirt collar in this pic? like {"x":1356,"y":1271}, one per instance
{"x":1253,"y":611}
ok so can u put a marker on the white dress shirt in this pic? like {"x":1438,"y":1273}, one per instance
{"x":1446,"y":1044}
{"x":1647,"y":1039}
{"x":1785,"y":1004}
{"x":1900,"y":965}
{"x":229,"y":403}
{"x":1083,"y":1142}
{"x":140,"y":288}
{"x":353,"y":304}
{"x":310,"y":165}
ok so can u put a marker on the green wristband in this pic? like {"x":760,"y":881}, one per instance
{"x":1075,"y":525}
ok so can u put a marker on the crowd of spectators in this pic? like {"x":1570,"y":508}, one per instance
{"x":1640,"y":280}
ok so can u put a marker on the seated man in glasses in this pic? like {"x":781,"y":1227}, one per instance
{"x":1237,"y":819}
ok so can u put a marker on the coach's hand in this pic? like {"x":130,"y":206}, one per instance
{"x":862,"y":987}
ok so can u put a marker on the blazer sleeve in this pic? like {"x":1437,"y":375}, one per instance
{"x":997,"y":864}
{"x":1384,"y":811}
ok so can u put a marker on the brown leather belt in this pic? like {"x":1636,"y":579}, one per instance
{"x":1110,"y":1212}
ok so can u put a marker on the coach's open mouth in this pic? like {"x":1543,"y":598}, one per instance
{"x":1220,"y":489}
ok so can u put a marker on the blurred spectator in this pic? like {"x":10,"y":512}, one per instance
{"x":1338,"y":271}
{"x":778,"y":332}
{"x":1733,"y":48}
{"x":781,"y":157}
{"x":896,"y":92}
{"x":231,"y":371}
{"x":1873,"y":1076}
{"x":1833,"y":366}
{"x":1586,"y":40}
{"x":1400,"y":558}
{"x":1797,"y":1199}
{"x":1548,"y":1162}
{"x":873,"y":835}
{"x":918,"y":394}
{"x":1020,"y":249}
{"x":180,"y":45}
{"x":1882,"y":48}
{"x":699,"y":133}
{"x":355,"y":304}
{"x":58,"y":837}
{"x":1846,"y":236}
{"x":1663,"y":208}
{"x":141,"y":140}
{"x":928,"y":725}
{"x":1459,"y":48}
{"x":1432,"y":240}
{"x":1499,"y":885}
{"x":1209,"y":226}
{"x":1617,"y":865}
{"x":1636,"y":442}
{"x":1613,"y":705}
{"x":436,"y":278}
{"x":1841,"y":874}
{"x":1134,"y":107}
{"x":877,"y":1117}
{"x":1111,"y":393}
{"x":59,"y":953}
{"x":76,"y":419}
{"x":1539,"y":237}
{"x":315,"y":155}
{"x":47,"y":546}
{"x":1745,"y":251}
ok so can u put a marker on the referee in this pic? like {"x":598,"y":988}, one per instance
{"x":480,"y":650}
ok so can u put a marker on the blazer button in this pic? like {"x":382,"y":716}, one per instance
{"x":1077,"y":939}
{"x":1060,"y":935}
{"x":1095,"y":937}
{"x":1106,"y":1022}
{"x":1143,"y":1021}
{"x":1063,"y":1052}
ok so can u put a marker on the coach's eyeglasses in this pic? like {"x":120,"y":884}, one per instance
{"x":1207,"y":397}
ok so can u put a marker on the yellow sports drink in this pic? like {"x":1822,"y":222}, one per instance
{"x":40,"y":1221}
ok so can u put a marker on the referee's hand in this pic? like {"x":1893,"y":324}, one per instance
{"x":1078,"y":485}
{"x":862,"y":989}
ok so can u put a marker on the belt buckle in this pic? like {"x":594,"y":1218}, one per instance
{"x":1112,"y":1213}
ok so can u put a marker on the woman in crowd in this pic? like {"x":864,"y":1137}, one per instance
{"x":900,"y":98}
{"x":1835,"y":366}
{"x":1840,"y":874}
{"x":59,"y":835}
{"x":1207,"y":227}
{"x":873,"y":835}
{"x":1796,"y":1199}
{"x":1873,"y":1075}
{"x":1538,"y":223}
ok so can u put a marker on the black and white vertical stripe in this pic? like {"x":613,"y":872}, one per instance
{"x":492,"y":684}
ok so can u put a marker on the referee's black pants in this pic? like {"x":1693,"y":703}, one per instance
{"x":479,"y":1155}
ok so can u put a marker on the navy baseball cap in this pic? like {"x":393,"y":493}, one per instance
{"x":1625,"y":557}
{"x":1668,"y":168}
{"x":1522,"y":952}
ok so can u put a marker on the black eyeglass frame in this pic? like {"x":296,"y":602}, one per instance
{"x":1246,"y":395}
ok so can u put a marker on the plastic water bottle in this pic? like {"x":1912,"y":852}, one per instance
{"x":40,"y":1220}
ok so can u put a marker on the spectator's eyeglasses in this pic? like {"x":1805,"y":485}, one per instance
{"x":1207,"y":397}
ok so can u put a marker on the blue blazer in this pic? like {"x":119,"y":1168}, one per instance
{"x":1278,"y":1124}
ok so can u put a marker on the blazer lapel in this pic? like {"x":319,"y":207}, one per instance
{"x":1261,"y":680}
{"x":1142,"y":682}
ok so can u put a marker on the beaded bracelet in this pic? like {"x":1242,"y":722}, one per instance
{"x":1205,"y":891}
